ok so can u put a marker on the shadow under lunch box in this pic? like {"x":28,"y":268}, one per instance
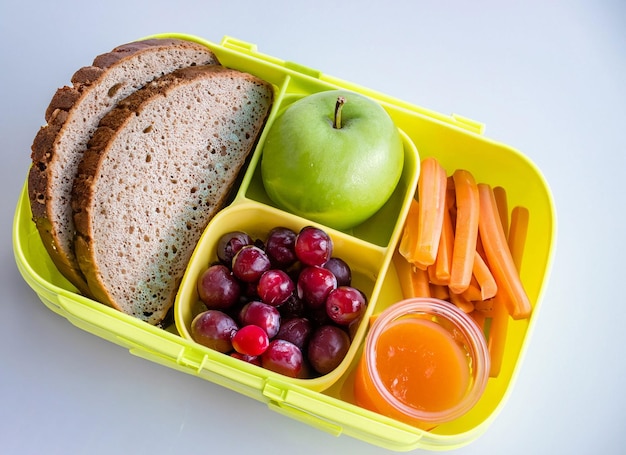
{"x":325,"y":402}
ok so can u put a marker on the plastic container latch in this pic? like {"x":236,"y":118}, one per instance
{"x":279,"y":401}
{"x":239,"y":45}
{"x":251,"y":49}
{"x":192,"y":359}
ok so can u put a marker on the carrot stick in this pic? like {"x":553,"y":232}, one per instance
{"x":419,"y":279}
{"x":443,"y":262}
{"x":503,"y":207}
{"x":499,"y":257}
{"x":479,"y":248}
{"x":499,"y":314}
{"x":517,"y":234}
{"x":461,"y":302}
{"x":431,"y":192}
{"x":484,"y":306}
{"x":496,"y":338}
{"x":409,"y":234}
{"x":466,"y":232}
{"x":484,"y":277}
{"x":432,"y":276}
{"x":439,"y":292}
{"x":499,"y":320}
{"x":404,"y":271}
{"x":473,"y":292}
{"x":413,"y":281}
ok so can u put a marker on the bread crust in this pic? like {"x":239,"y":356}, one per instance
{"x":50,"y":208}
{"x":132,"y":255}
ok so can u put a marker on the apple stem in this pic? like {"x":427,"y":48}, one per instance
{"x":338,"y":106}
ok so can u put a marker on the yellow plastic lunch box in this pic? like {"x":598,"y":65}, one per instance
{"x":325,"y":402}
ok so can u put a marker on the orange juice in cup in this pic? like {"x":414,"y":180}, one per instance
{"x":425,"y":362}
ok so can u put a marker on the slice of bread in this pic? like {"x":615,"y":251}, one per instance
{"x":73,"y":116}
{"x":158,"y":168}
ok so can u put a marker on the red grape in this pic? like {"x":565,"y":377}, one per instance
{"x":313,"y":246}
{"x":280,"y":247}
{"x":261,"y":314}
{"x":328,"y":346}
{"x":283,"y":357}
{"x":341,"y":270}
{"x":229,"y":244}
{"x":250,"y":263}
{"x":345,"y":304}
{"x":275,"y":287}
{"x":296,"y":330}
{"x":218,"y":288}
{"x":214,"y":329}
{"x":250,"y":340}
{"x":314,"y":285}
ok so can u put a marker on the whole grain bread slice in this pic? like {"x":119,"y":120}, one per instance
{"x":158,"y":168}
{"x":72,"y":117}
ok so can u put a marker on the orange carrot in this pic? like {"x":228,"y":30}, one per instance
{"x":431,"y":191}
{"x":409,"y":233}
{"x":499,"y":316}
{"x":466,"y":232}
{"x":517,"y":234}
{"x":484,"y":306}
{"x":411,"y":279}
{"x":484,"y":277}
{"x":479,"y":248}
{"x":421,"y":285}
{"x":503,"y":207}
{"x":432,"y":275}
{"x":439,"y":292}
{"x":443,"y":261}
{"x":496,"y":337}
{"x":404,"y":271}
{"x":473,"y":292}
{"x":461,"y":302}
{"x":499,"y":257}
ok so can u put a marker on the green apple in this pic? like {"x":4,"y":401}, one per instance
{"x":334,"y":157}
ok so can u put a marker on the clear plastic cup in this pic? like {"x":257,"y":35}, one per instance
{"x":425,"y":362}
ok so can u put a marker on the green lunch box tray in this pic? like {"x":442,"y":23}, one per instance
{"x":326,"y":402}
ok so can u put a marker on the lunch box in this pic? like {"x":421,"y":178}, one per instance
{"x":325,"y":402}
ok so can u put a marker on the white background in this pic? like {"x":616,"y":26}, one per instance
{"x":546,"y":77}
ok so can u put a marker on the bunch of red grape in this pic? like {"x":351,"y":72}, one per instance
{"x":284,"y":303}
